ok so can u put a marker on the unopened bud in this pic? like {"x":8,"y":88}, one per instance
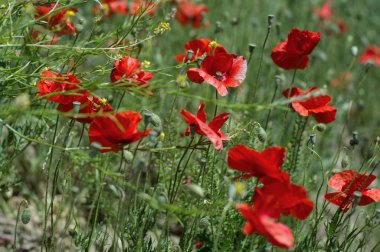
{"x":320,"y":127}
{"x":354,"y":51}
{"x":25,"y":216}
{"x":195,"y":190}
{"x":277,"y":80}
{"x":204,"y":223}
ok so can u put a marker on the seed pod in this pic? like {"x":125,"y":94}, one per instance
{"x":190,"y":54}
{"x":378,"y":213}
{"x":270,"y":20}
{"x":354,"y":141}
{"x":354,"y":51}
{"x":76,"y":108}
{"x":25,"y":216}
{"x":261,"y":134}
{"x":313,"y":139}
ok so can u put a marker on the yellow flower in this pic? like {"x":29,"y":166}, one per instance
{"x":104,"y":101}
{"x":146,"y":64}
{"x":162,"y":28}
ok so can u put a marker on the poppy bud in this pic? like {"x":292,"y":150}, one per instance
{"x":162,"y":199}
{"x":378,"y":213}
{"x":354,"y":51}
{"x":128,"y":156}
{"x":76,"y":107}
{"x":25,"y":216}
{"x":251,"y":48}
{"x":354,"y":141}
{"x":260,"y":132}
{"x":204,"y":223}
{"x":195,"y":190}
{"x":190,"y":54}
{"x":198,"y":245}
{"x":270,"y":20}
{"x":313,"y":139}
{"x":320,"y":127}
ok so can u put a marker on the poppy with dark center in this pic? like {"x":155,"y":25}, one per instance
{"x":60,"y":88}
{"x":347,"y":183}
{"x":221,"y":70}
{"x":128,"y":70}
{"x":90,"y":107}
{"x":371,"y":54}
{"x":192,"y":13}
{"x":293,"y":52}
{"x":261,"y":218}
{"x":211,"y":130}
{"x":58,"y":22}
{"x":117,"y":130}
{"x":198,"y":48}
{"x":265,"y":165}
{"x":316,"y":106}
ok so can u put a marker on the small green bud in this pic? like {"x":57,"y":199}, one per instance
{"x":25,"y":216}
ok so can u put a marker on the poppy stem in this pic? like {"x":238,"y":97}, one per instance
{"x":261,"y":61}
{"x":121,"y":99}
{"x":216,"y":102}
{"x":270,"y":110}
{"x":173,"y":183}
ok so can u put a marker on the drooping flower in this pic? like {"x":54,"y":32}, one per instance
{"x":372,"y":53}
{"x":192,"y":13}
{"x":221,"y":70}
{"x":347,"y":183}
{"x":60,"y":88}
{"x":211,"y":130}
{"x":58,"y":22}
{"x":116,"y":130}
{"x":128,"y":70}
{"x":90,"y":107}
{"x":293,"y":52}
{"x":265,"y":165}
{"x":261,"y":218}
{"x":199,"y":47}
{"x":316,"y":106}
{"x":140,"y":6}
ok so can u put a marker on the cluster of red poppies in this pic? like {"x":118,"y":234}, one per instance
{"x":109,"y":129}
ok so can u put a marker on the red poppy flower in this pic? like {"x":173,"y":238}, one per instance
{"x":129,"y":70}
{"x":325,"y":11}
{"x":221,"y":70}
{"x":348,"y":182}
{"x":191,"y":13}
{"x":115,"y":131}
{"x":59,"y":22}
{"x":372,"y":53}
{"x":139,"y":6}
{"x":291,"y":199}
{"x":60,"y":88}
{"x":293,"y":52}
{"x":200,"y":47}
{"x":261,"y":219}
{"x":315,"y":106}
{"x":211,"y":130}
{"x":90,"y":108}
{"x":263,"y":165}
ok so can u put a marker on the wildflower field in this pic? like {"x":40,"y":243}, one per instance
{"x":189,"y":125}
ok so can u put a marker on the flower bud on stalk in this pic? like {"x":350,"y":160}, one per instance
{"x":270,"y":20}
{"x":190,"y":54}
{"x":354,"y":141}
{"x":76,"y":108}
